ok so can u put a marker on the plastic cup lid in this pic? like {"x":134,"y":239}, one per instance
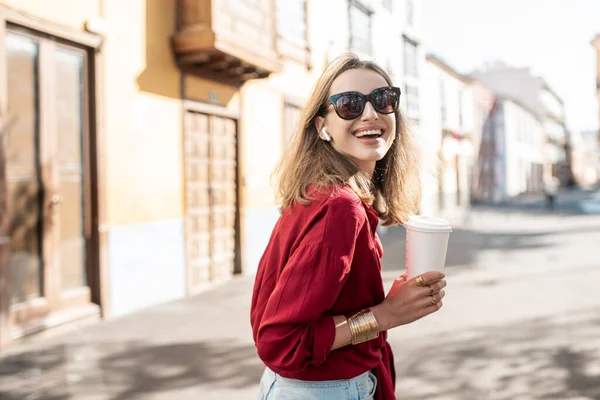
{"x":425,"y":223}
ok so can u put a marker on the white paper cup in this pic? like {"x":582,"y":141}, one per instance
{"x":426,"y":244}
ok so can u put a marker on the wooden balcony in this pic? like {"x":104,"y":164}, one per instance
{"x":229,"y":41}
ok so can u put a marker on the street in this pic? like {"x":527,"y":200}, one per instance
{"x":521,"y":320}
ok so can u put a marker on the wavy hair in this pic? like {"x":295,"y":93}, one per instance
{"x":394,"y":190}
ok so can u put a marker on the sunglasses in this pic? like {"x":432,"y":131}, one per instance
{"x":350,"y":105}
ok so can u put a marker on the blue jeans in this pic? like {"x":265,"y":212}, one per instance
{"x":276,"y":387}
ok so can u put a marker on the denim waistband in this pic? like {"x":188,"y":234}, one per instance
{"x":321,"y":384}
{"x":360,"y":387}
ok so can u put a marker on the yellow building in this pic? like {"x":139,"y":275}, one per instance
{"x":137,"y":167}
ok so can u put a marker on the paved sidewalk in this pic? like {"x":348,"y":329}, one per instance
{"x":195,"y":348}
{"x":521,"y":320}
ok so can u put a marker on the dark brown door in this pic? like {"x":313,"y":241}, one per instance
{"x":211,"y":209}
{"x":48,"y":180}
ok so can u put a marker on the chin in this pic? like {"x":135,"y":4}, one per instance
{"x":376,"y":154}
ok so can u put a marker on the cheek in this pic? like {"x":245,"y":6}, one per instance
{"x":391,"y":123}
{"x":338,"y":127}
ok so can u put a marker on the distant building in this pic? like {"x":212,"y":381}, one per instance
{"x":596,"y":44}
{"x":484,"y":143}
{"x":519,"y":150}
{"x":585,"y":151}
{"x":535,"y":94}
{"x":446,"y":142}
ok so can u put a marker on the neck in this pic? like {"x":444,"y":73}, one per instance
{"x":367,"y":167}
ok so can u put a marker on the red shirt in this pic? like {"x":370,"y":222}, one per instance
{"x":322,"y":260}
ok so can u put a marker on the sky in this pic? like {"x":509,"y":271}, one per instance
{"x":552,"y":37}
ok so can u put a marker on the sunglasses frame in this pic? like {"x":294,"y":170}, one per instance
{"x":366,"y":98}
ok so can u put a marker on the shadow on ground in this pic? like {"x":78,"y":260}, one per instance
{"x":463,"y":246}
{"x":126,"y":370}
{"x":537,"y":359}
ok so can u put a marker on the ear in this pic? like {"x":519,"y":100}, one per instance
{"x":320,"y":124}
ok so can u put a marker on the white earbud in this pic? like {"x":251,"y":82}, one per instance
{"x":326,"y":135}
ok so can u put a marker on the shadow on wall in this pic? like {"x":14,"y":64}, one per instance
{"x":127,"y":370}
{"x":161,"y":75}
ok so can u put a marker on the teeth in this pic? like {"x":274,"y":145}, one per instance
{"x":370,"y":132}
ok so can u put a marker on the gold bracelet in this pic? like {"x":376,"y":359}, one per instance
{"x":363,"y":326}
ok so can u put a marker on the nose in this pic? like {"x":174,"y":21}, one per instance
{"x":369,"y":113}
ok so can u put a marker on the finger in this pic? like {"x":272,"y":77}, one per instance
{"x":434,"y":299}
{"x":427,"y":278}
{"x":430,"y":309}
{"x":434,"y":287}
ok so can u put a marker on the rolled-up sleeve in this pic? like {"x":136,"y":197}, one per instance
{"x":295,"y":330}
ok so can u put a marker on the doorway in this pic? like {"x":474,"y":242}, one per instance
{"x":49,"y":181}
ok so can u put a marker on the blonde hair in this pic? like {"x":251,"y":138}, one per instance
{"x":394,"y":190}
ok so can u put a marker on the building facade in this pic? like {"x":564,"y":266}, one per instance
{"x":596,"y":44}
{"x":446,"y":142}
{"x":535,"y":94}
{"x":512,"y":155}
{"x":137,"y":168}
{"x":585,"y":153}
{"x":483,"y":140}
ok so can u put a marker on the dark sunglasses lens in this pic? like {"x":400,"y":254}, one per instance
{"x":384,"y":100}
{"x":349,"y":106}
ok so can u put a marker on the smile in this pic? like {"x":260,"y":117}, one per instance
{"x":371,"y":133}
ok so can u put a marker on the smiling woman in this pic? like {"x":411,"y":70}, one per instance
{"x":319,"y":312}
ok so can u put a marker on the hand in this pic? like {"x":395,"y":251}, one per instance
{"x":407,"y":301}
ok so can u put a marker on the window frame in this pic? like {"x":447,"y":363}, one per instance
{"x":411,"y":80}
{"x":289,"y":47}
{"x":409,"y":7}
{"x":369,"y":13}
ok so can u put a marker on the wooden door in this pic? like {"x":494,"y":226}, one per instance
{"x":47,"y":156}
{"x":211,"y":200}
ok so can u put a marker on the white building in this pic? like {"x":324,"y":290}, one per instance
{"x":518,"y":152}
{"x":535,"y":94}
{"x":446,"y":140}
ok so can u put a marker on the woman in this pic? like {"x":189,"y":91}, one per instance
{"x":319,"y":313}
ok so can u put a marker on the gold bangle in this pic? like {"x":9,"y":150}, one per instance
{"x":363,"y":327}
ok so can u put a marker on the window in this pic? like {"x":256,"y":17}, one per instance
{"x":411,"y":90}
{"x":410,"y":12}
{"x":389,"y":68}
{"x":291,"y":21}
{"x":411,"y":78}
{"x":360,"y":28}
{"x":410,"y":57}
